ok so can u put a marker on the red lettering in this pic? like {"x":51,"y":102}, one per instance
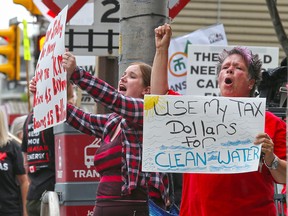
{"x":50,"y":118}
{"x":58,"y":85}
{"x":40,"y":123}
{"x":37,"y":148}
{"x":46,"y":73}
{"x":48,"y":97}
{"x":57,"y":65}
{"x":38,"y":74}
{"x":60,"y":111}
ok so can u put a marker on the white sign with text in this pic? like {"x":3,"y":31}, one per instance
{"x":202,"y":61}
{"x":50,"y":98}
{"x":201,"y":134}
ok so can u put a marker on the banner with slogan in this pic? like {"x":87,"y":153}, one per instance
{"x":178,"y":53}
{"x":202,"y":61}
{"x":201,"y":134}
{"x":50,"y":98}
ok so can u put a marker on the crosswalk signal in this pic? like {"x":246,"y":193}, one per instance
{"x":11,"y":51}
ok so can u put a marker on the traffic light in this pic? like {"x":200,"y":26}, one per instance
{"x":39,"y":42}
{"x":29,"y":5}
{"x":11,"y":51}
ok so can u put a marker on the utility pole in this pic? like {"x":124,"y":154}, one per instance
{"x":138,"y":19}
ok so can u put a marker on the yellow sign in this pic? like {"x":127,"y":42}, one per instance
{"x":26,"y":42}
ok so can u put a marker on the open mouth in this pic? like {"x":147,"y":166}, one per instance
{"x":228,"y":81}
{"x":122,"y":88}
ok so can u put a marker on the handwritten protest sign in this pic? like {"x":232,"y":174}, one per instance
{"x":201,"y":134}
{"x":50,"y":99}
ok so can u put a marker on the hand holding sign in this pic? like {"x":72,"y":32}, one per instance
{"x":69,"y":63}
{"x":201,"y":134}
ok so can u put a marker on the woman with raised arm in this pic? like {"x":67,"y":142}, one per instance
{"x":239,"y":73}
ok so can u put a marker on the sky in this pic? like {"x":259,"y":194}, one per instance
{"x":10,"y":10}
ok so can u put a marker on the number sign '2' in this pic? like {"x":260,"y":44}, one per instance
{"x":102,"y":37}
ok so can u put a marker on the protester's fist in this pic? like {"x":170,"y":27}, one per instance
{"x":163,"y":35}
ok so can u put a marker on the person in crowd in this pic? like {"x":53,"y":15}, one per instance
{"x":177,"y":188}
{"x":71,"y":94}
{"x":239,"y":72}
{"x":13,"y":179}
{"x":17,"y":127}
{"x":41,"y":170}
{"x":123,"y":188}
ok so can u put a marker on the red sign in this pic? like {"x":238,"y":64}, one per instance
{"x":175,"y":6}
{"x":74,"y":160}
{"x":54,"y":6}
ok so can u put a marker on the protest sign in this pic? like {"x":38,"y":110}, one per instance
{"x":202,"y":61}
{"x":178,"y":53}
{"x":50,"y":98}
{"x":201,"y":134}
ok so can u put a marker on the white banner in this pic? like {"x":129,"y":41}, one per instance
{"x":201,"y":134}
{"x":178,"y":53}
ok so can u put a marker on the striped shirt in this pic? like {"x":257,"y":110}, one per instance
{"x":107,"y":161}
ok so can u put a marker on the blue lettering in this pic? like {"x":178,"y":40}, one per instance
{"x":239,"y":155}
{"x":172,"y":160}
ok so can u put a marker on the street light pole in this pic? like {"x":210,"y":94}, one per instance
{"x":138,"y":19}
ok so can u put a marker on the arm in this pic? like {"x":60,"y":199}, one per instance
{"x":86,"y":122}
{"x":24,"y":144}
{"x":24,"y":184}
{"x":25,"y":161}
{"x":159,"y":76}
{"x":278,"y":174}
{"x":129,"y":108}
{"x":274,"y":145}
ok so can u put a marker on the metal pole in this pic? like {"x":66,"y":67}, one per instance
{"x":138,"y":19}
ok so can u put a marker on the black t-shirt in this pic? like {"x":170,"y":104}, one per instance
{"x":11,"y":164}
{"x":39,"y":147}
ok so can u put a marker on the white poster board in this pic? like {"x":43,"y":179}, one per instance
{"x":202,"y":61}
{"x":178,"y":53}
{"x":50,"y":98}
{"x":201,"y":134}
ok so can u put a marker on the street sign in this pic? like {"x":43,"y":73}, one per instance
{"x":57,"y":5}
{"x":99,"y":39}
{"x":51,"y":7}
{"x":175,"y":6}
{"x":45,"y":11}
